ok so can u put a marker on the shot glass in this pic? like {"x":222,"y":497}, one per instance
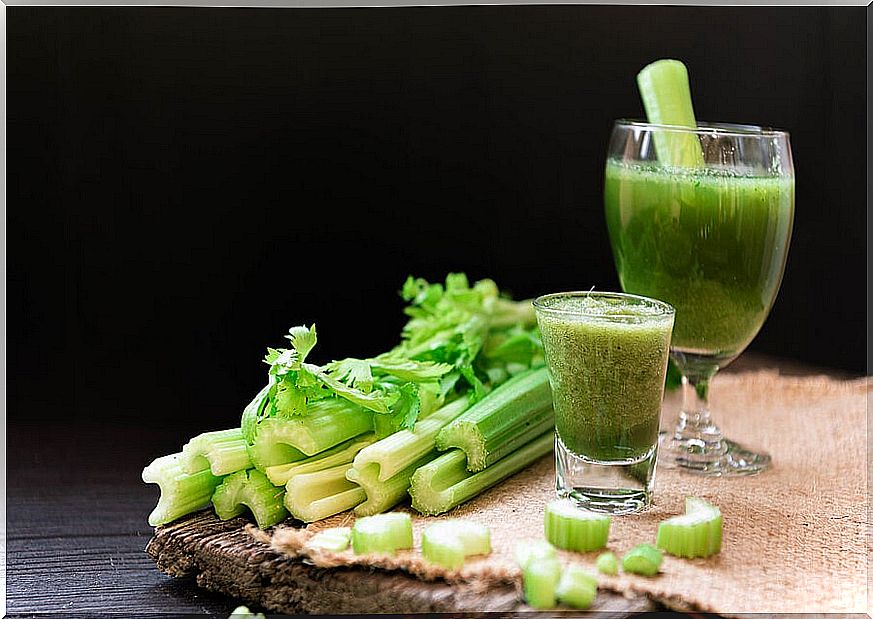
{"x":607,"y":359}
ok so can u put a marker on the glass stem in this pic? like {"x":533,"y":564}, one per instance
{"x":696,"y":436}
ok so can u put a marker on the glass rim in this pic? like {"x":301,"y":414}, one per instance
{"x":666,"y":308}
{"x":719,"y":128}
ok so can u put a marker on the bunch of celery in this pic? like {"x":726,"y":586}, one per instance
{"x":320,"y":439}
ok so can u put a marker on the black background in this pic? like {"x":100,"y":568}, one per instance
{"x":186,"y":184}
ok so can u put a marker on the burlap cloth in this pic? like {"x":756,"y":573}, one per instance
{"x":795,"y":537}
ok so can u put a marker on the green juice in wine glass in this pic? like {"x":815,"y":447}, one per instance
{"x":712,"y":244}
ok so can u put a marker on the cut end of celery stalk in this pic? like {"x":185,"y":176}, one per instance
{"x":384,"y":534}
{"x":223,"y":451}
{"x":644,"y":559}
{"x":250,"y":489}
{"x":181,"y":492}
{"x":666,"y":96}
{"x":335,"y":539}
{"x":577,"y":587}
{"x":383,"y":495}
{"x":697,"y":533}
{"x":570,"y":527}
{"x":540,"y":579}
{"x":448,"y":543}
{"x":315,"y":496}
{"x":533,"y":550}
{"x":607,"y":564}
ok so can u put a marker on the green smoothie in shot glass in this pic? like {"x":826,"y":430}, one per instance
{"x":607,"y":358}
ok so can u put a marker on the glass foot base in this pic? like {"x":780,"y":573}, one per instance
{"x":729,"y":460}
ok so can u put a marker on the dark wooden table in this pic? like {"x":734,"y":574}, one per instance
{"x":76,"y":521}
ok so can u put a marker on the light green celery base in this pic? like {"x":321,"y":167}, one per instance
{"x":344,"y":453}
{"x":222,"y":451}
{"x":181,"y":492}
{"x":445,"y":482}
{"x":314,"y":496}
{"x":382,"y":495}
{"x":250,"y":489}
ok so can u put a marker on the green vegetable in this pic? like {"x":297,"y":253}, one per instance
{"x":513,"y":414}
{"x":666,"y":97}
{"x":249,"y":489}
{"x":343,"y":453}
{"x":313,"y":496}
{"x":577,"y":588}
{"x":697,"y":533}
{"x":384,"y":468}
{"x":540,"y":579}
{"x":445,"y":482}
{"x":607,"y":564}
{"x":573,"y":528}
{"x":335,"y":539}
{"x":644,"y":559}
{"x":384,"y":533}
{"x":223,"y":452}
{"x":533,"y":550}
{"x":181,"y":492}
{"x":449,"y":542}
{"x":327,"y":424}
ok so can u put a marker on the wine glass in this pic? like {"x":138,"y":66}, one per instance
{"x":707,"y":232}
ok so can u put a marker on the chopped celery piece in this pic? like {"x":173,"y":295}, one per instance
{"x":181,"y":492}
{"x":666,"y":97}
{"x":696,"y":533}
{"x":243,"y":612}
{"x":314,"y":496}
{"x":250,"y":489}
{"x":644,"y":559}
{"x":384,"y":533}
{"x":384,"y":468}
{"x":570,"y":527}
{"x":510,"y":416}
{"x":329,"y":422}
{"x":223,"y":451}
{"x":607,"y":563}
{"x":449,"y":542}
{"x":335,"y":539}
{"x":343,"y":453}
{"x":533,"y":550}
{"x":441,"y":484}
{"x":577,"y":588}
{"x":540,"y":579}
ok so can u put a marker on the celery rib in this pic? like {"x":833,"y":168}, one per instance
{"x":444,"y":483}
{"x":512,"y":415}
{"x":249,"y":489}
{"x":181,"y":492}
{"x":344,"y":453}
{"x":314,"y":496}
{"x":326,"y":424}
{"x":222,"y":451}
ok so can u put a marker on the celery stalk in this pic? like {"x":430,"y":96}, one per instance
{"x":577,"y":587}
{"x":540,"y":580}
{"x":445,"y":482}
{"x":335,"y":539}
{"x":326,"y":424}
{"x":383,"y":495}
{"x":249,"y":420}
{"x":384,"y":534}
{"x":666,"y":97}
{"x":313,"y":496}
{"x":449,"y":542}
{"x":250,"y":489}
{"x":512,"y":415}
{"x":223,"y":452}
{"x":343,"y":453}
{"x":181,"y":492}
